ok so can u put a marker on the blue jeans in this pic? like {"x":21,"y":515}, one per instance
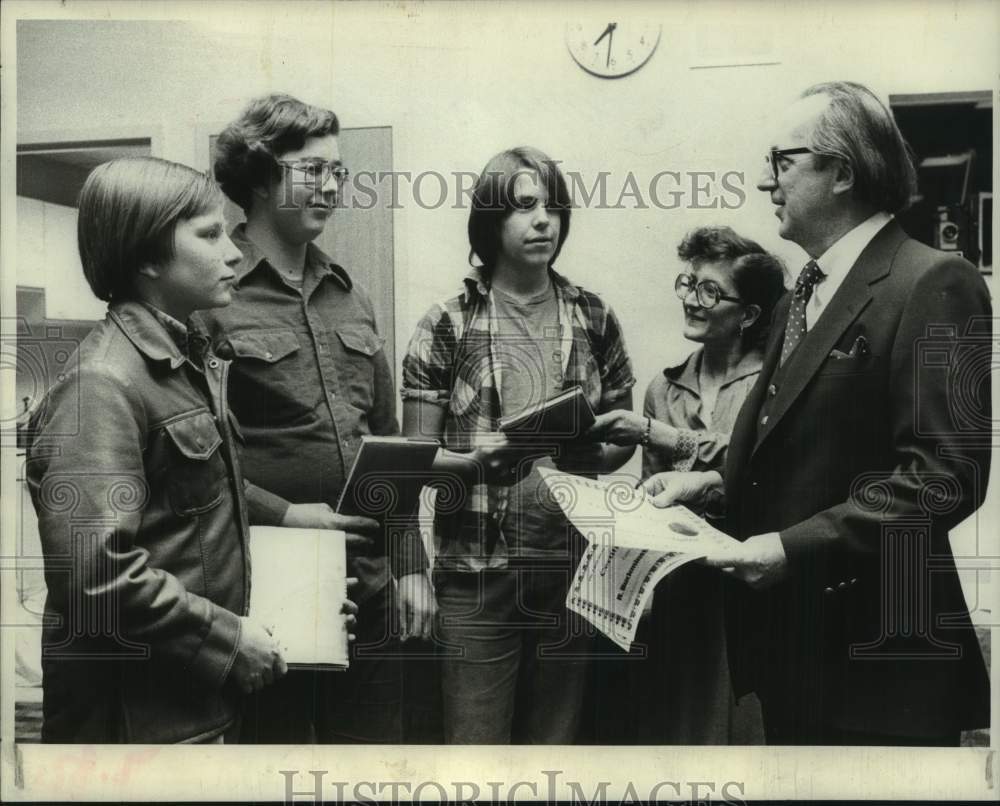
{"x":514,"y":658}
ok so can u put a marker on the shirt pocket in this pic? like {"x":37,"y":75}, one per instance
{"x":361,"y":344}
{"x":268,"y":382}
{"x":197,"y":474}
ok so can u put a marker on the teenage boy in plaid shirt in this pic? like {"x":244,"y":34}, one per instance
{"x":515,"y":658}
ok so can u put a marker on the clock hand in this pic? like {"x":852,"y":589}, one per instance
{"x":605,"y":32}
{"x":611,"y":37}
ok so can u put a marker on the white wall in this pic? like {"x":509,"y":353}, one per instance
{"x":459,"y":81}
{"x":47,"y":258}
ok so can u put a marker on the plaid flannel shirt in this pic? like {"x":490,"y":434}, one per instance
{"x":452,"y":362}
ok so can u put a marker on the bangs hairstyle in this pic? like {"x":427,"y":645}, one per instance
{"x":128,"y":212}
{"x":493,"y":200}
{"x":269,"y":127}
{"x":857,"y":128}
{"x":759,"y":276}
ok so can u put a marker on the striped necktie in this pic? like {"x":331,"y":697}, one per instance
{"x":795,"y":328}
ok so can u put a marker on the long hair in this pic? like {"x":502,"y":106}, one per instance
{"x":493,"y":199}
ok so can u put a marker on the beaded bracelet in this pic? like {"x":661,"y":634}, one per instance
{"x":646,"y":434}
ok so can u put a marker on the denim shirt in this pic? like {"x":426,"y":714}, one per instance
{"x":309,"y":379}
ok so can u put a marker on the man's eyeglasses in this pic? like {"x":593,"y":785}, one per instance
{"x":707,"y":292}
{"x":776,"y":154}
{"x":317,"y":172}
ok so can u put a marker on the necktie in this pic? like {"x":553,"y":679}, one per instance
{"x":795,"y":329}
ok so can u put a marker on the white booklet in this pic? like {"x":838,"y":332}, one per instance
{"x":298,"y":586}
{"x":633,"y":545}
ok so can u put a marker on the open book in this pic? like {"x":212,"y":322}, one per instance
{"x":633,"y":545}
{"x":298,"y":586}
{"x":563,"y":417}
{"x":387,"y":476}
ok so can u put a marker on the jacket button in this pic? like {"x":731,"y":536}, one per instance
{"x":755,"y":484}
{"x":854,"y":580}
{"x":827,"y":591}
{"x":772,"y":390}
{"x":214,"y":364}
{"x":763,"y":420}
{"x":269,"y":354}
{"x":842,"y":586}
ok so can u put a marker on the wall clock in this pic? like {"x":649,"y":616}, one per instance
{"x":611,"y":49}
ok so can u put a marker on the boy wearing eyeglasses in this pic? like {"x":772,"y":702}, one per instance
{"x":309,"y":379}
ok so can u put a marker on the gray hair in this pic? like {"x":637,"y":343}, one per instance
{"x":857,"y":128}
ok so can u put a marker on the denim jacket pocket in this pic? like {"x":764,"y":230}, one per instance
{"x":357,"y":371}
{"x":197,"y":479}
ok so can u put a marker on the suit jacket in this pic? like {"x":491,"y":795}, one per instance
{"x":876,"y":443}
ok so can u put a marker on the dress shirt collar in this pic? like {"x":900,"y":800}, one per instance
{"x":836,"y":261}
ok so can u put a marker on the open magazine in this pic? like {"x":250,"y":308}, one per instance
{"x":632,"y":546}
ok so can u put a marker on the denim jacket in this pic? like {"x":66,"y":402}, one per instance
{"x":144,"y":523}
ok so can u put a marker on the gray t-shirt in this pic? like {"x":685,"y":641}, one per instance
{"x":528,"y":351}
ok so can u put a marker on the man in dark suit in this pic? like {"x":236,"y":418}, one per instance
{"x":866,"y":438}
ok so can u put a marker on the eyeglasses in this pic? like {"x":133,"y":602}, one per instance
{"x":776,"y":154}
{"x":707,"y":292}
{"x":317,"y":172}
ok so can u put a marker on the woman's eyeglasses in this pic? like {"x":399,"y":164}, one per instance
{"x":707,"y":292}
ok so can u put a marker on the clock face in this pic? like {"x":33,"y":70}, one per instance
{"x":611,"y":49}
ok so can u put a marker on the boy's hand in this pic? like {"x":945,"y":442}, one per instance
{"x":258,"y":661}
{"x":360,"y":531}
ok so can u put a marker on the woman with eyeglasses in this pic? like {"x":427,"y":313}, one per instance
{"x":729,"y":289}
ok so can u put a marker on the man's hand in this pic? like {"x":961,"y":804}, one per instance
{"x":360,"y":531}
{"x":417,"y":605}
{"x":258,"y":660}
{"x":681,"y":486}
{"x":759,"y":561}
